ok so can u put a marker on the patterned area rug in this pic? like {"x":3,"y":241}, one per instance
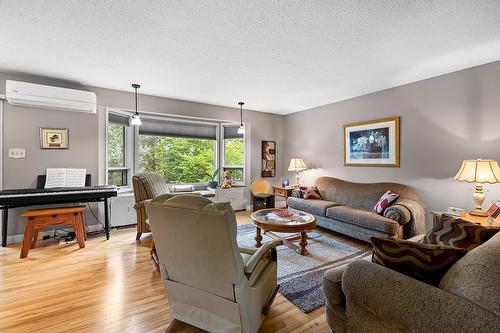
{"x":300,"y":277}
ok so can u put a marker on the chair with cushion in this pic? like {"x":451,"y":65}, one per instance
{"x":211,"y":283}
{"x":262,"y":195}
{"x":366,"y":297}
{"x":147,"y":185}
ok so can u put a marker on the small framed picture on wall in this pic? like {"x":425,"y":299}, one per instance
{"x":268,"y":159}
{"x":54,"y":138}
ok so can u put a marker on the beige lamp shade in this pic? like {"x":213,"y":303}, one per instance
{"x":479,"y":171}
{"x":296,"y":164}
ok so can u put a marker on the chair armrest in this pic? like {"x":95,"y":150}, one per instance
{"x":332,"y":286}
{"x":410,"y":304}
{"x":141,"y":204}
{"x":260,"y":253}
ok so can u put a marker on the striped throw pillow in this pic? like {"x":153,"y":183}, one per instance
{"x":424,"y":262}
{"x":385,"y":201}
{"x":451,"y":231}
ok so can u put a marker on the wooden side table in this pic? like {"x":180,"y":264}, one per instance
{"x":38,"y":218}
{"x":482,"y":220}
{"x":281,"y":191}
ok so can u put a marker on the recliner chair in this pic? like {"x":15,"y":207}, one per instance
{"x":210,"y":282}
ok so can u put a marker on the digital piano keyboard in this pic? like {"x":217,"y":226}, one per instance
{"x":42,"y":196}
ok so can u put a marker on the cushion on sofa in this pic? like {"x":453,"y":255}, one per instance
{"x":475,"y":277}
{"x":425,"y":262}
{"x":456,"y":232}
{"x":311,"y":193}
{"x":363,"y":218}
{"x":385,"y":201}
{"x":315,"y":207}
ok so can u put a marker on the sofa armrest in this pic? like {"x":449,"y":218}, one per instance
{"x":411,"y":304}
{"x":398,"y":213}
{"x":416,"y":225}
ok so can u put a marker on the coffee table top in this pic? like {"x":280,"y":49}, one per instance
{"x":268,"y":220}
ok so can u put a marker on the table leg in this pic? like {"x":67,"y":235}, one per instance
{"x":106,"y":218}
{"x":258,"y":237}
{"x":79,"y":230}
{"x":35,"y":237}
{"x":303,"y":244}
{"x":5,"y":218}
{"x":27,"y":238}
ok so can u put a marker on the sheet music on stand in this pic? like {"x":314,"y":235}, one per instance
{"x":65,"y":177}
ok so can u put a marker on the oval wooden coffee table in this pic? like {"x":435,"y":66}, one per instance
{"x":298,"y":224}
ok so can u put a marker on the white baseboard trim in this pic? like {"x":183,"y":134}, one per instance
{"x":13,"y":239}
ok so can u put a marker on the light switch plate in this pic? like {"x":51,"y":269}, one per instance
{"x":17,"y":153}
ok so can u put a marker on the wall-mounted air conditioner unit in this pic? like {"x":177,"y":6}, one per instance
{"x":48,"y":97}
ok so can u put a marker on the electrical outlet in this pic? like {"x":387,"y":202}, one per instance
{"x":17,"y":153}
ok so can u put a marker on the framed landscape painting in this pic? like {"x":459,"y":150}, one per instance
{"x":268,"y":159}
{"x":372,"y":143}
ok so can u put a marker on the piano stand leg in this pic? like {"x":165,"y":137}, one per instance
{"x":106,"y":218}
{"x":5,"y":222}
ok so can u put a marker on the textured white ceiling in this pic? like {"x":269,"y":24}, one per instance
{"x":277,"y":56}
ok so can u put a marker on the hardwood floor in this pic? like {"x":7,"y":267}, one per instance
{"x":108,"y":286}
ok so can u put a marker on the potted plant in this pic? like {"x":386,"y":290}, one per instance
{"x":213,"y":183}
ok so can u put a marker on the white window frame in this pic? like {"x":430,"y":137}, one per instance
{"x":132,"y":146}
{"x":129,"y":152}
{"x":222,"y":144}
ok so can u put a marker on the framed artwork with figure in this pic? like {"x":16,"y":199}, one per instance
{"x":372,"y":143}
{"x":268,"y":159}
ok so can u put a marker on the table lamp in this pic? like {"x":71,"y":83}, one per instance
{"x":297,"y":164}
{"x":479,"y":171}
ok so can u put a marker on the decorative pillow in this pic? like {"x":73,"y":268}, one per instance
{"x":425,"y":262}
{"x":311,"y":193}
{"x":182,"y":188}
{"x":385,"y":201}
{"x":451,"y":231}
{"x":296,"y":193}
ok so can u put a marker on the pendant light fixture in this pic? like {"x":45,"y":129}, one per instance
{"x":136,"y":119}
{"x":241,"y":129}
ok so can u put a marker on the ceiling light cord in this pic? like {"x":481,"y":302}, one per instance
{"x":241,"y":129}
{"x":136,"y":120}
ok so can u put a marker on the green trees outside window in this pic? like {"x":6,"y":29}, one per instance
{"x":179,"y":160}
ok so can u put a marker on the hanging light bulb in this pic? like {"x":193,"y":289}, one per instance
{"x":136,"y":119}
{"x":241,"y":129}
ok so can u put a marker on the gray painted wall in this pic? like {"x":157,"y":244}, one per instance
{"x":444,"y":120}
{"x":21,"y":130}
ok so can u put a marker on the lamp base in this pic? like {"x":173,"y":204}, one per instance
{"x":478,"y":199}
{"x":477,"y":212}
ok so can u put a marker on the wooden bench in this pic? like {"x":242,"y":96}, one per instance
{"x":39,"y":218}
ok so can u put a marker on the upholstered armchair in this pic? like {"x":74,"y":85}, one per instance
{"x":147,"y":185}
{"x":211,"y":283}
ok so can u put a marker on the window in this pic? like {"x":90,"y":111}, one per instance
{"x":183,"y":152}
{"x":234,"y":153}
{"x":117,"y":150}
{"x":178,"y":160}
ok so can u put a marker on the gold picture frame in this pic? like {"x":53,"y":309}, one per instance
{"x":54,"y":138}
{"x":373,"y":143}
